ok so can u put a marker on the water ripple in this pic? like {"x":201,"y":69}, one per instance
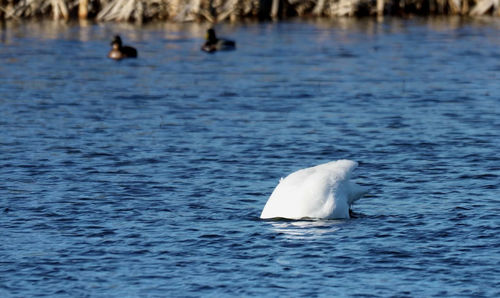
{"x":147,"y":177}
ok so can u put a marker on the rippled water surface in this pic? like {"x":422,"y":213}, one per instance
{"x":147,"y":177}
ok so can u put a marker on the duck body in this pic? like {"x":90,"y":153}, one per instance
{"x":320,"y":192}
{"x":213,"y":44}
{"x":119,"y":51}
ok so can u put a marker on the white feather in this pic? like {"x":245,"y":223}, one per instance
{"x":323,"y":191}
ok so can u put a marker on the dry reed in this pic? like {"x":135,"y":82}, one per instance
{"x":221,"y":10}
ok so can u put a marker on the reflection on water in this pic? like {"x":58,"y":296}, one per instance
{"x":85,"y":30}
{"x":306,"y":229}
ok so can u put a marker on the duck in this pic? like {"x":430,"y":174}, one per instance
{"x":213,"y":44}
{"x":119,"y":51}
{"x":319,"y":192}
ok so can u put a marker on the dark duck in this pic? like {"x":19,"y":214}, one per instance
{"x":119,"y":51}
{"x":213,"y":43}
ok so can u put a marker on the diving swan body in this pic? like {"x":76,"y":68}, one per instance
{"x":320,"y":192}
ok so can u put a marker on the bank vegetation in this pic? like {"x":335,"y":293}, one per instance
{"x":234,"y":10}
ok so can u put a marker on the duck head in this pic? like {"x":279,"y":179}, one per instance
{"x":210,"y":36}
{"x":116,"y":43}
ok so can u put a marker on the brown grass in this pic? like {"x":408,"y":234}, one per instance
{"x":233,"y":10}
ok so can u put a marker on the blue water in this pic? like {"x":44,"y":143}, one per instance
{"x":146,"y":178}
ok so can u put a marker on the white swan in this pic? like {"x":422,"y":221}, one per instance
{"x":323,"y":191}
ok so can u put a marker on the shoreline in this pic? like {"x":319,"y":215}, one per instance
{"x":214,"y":11}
